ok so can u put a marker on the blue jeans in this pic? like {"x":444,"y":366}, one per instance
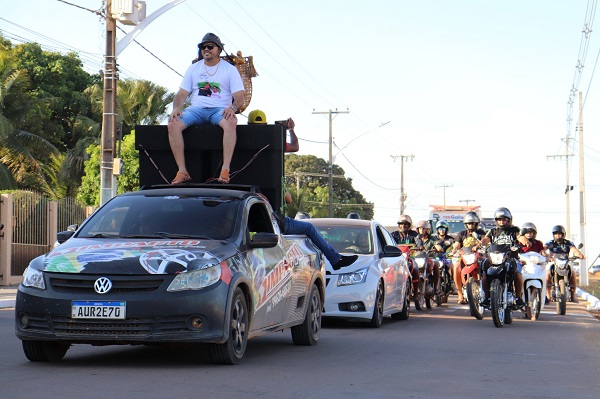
{"x":293,"y":226}
{"x":201,"y":116}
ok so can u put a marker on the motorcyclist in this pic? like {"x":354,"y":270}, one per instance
{"x":405,"y":239}
{"x":425,"y":242}
{"x":471,"y":235}
{"x":504,"y":234}
{"x":445,"y":241}
{"x":529,"y":231}
{"x":404,"y":234}
{"x":560,"y":245}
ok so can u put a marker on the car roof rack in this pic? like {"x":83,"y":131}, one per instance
{"x":221,"y":186}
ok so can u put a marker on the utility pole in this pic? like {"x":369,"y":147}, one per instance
{"x":402,"y":194}
{"x":444,"y":186}
{"x":330,"y":169}
{"x":568,"y":187}
{"x":466,"y":201}
{"x":108,"y":181}
{"x":583,"y":271}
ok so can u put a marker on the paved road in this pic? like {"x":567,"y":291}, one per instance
{"x":442,"y":353}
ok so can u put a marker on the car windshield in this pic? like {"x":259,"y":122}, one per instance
{"x":353,"y":239}
{"x":164,"y":216}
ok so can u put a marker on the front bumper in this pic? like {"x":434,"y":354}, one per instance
{"x":338,"y":298}
{"x":151,"y":316}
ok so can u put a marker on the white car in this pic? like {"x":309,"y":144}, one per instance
{"x":377,"y":284}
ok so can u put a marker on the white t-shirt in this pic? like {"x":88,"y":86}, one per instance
{"x":212,"y":87}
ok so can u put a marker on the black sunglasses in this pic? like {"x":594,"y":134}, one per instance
{"x":207,"y":47}
{"x":403,"y":224}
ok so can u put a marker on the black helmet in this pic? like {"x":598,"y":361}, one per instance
{"x":559,"y":229}
{"x":353,"y":215}
{"x":529,"y":227}
{"x":503,"y":213}
{"x":211,"y":38}
{"x":471,"y":217}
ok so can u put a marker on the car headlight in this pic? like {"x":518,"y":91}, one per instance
{"x":196,"y":280}
{"x":33,"y":278}
{"x":357,"y":277}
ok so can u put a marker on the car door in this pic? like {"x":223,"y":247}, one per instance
{"x":271,"y":271}
{"x":395,"y":278}
{"x":387,"y":268}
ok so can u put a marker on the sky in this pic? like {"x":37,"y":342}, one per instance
{"x":477,"y":91}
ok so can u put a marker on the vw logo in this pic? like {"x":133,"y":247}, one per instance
{"x":102,"y":285}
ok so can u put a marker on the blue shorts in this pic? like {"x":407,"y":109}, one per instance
{"x":201,"y":116}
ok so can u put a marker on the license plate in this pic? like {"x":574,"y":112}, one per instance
{"x":98,"y":310}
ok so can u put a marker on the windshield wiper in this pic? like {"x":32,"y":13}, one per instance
{"x":100,"y":235}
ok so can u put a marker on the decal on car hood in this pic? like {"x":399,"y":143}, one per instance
{"x":133,"y":257}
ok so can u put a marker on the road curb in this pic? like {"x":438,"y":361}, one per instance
{"x":593,"y":302}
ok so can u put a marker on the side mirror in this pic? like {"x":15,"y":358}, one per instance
{"x":580,"y":245}
{"x":390,"y":251}
{"x":263,"y":240}
{"x":64,"y":236}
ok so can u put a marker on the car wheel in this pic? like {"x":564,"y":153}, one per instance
{"x":377,"y":319}
{"x":44,"y":351}
{"x":405,"y":313}
{"x":232,"y":351}
{"x":308,"y":332}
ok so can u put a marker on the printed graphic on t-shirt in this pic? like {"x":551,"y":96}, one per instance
{"x":207,"y":89}
{"x":503,"y":239}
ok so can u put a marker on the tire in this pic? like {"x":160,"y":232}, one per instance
{"x":474,"y":299}
{"x":377,"y":319}
{"x":496,"y":298}
{"x":405,"y":313}
{"x":420,"y":296}
{"x":534,"y":303}
{"x":508,"y":316}
{"x":44,"y":351}
{"x":232,"y":351}
{"x":308,"y":332}
{"x":561,"y":303}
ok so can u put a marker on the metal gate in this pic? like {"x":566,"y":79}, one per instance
{"x":31,"y":222}
{"x":30,"y":229}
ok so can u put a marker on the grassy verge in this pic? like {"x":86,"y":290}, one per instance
{"x":594,"y":287}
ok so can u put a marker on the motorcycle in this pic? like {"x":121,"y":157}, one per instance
{"x":471,"y":287}
{"x":447,"y":285}
{"x":500,"y":267}
{"x":417,"y":295}
{"x":534,"y":283}
{"x":561,"y":281}
{"x":426,"y":284}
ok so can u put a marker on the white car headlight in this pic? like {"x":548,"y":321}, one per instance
{"x":357,"y":277}
{"x":33,"y":278}
{"x":196,"y":280}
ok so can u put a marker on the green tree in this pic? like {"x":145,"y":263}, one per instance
{"x":309,"y":174}
{"x":89,"y":191}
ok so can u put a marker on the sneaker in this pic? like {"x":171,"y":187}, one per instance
{"x":344,"y":261}
{"x":520,"y":303}
{"x":486,"y":303}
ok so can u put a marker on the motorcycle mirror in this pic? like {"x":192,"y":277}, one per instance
{"x":580,"y":245}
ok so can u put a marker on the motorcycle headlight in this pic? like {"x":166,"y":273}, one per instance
{"x":33,"y":278}
{"x":496,"y":257}
{"x":534,"y":259}
{"x":560,"y":262}
{"x":196,"y":280}
{"x":420,"y":262}
{"x":469,"y":259}
{"x":357,"y":277}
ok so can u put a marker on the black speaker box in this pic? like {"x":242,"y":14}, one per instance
{"x":257,"y":159}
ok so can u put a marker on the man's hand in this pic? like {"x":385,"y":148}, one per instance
{"x":229,"y":113}
{"x":176,"y":113}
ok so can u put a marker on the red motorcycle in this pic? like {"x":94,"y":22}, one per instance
{"x":471,"y":282}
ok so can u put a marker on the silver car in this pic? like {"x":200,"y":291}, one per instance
{"x":377,"y":284}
